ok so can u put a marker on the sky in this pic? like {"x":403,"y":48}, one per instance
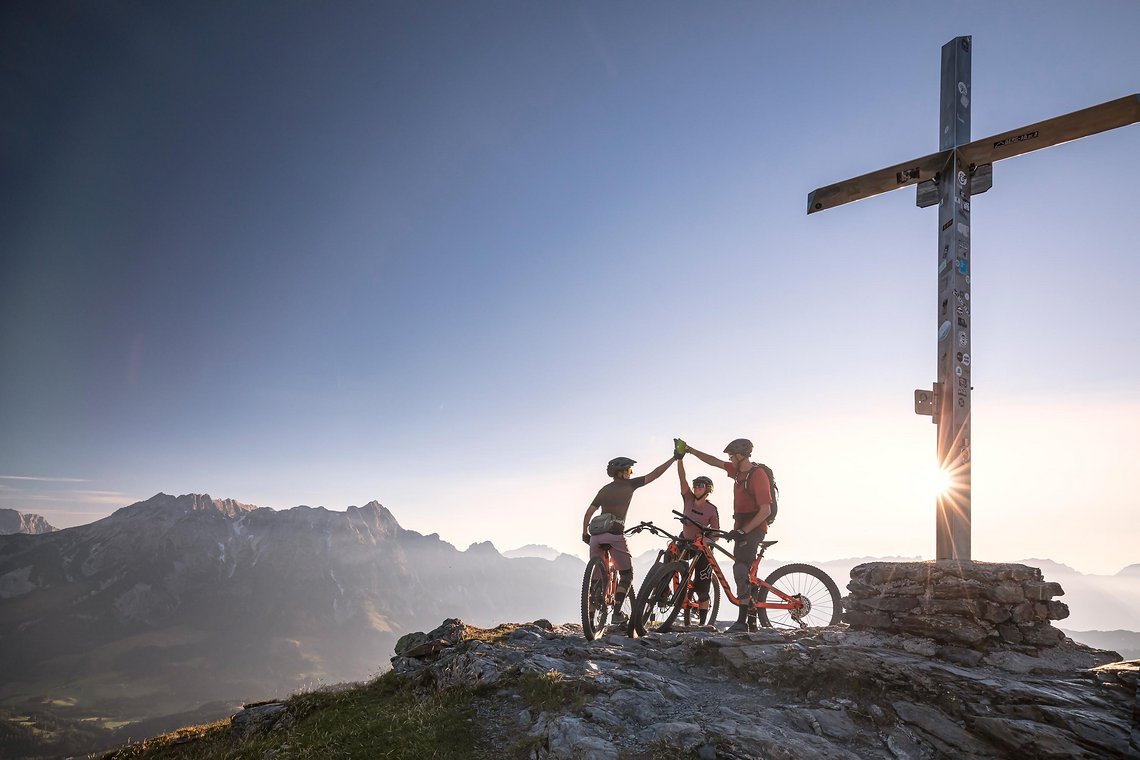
{"x":454,"y":257}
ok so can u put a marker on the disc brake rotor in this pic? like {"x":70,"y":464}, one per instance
{"x":801,"y":612}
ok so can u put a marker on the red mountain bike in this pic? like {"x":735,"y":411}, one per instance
{"x":793,"y":596}
{"x":599,"y":591}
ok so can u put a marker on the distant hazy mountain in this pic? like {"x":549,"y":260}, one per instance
{"x":1096,"y":602}
{"x":541,"y":551}
{"x":12,"y":521}
{"x":177,"y":601}
{"x":1132,"y":571}
{"x":1127,"y":643}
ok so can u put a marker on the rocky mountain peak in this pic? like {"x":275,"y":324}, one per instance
{"x":166,"y":505}
{"x":378,"y":515}
{"x":12,"y":521}
{"x":483,"y":547}
{"x":830,"y":692}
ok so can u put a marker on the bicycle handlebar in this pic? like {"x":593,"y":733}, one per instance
{"x":644,"y":525}
{"x":706,"y":531}
{"x":649,"y":526}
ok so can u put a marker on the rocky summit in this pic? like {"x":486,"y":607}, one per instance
{"x":820,"y":693}
{"x":12,"y":521}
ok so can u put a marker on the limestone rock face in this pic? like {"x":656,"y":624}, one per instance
{"x":818,"y":693}
{"x":977,"y":605}
{"x":12,"y":521}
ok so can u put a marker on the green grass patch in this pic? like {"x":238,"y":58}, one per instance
{"x":551,"y":691}
{"x":386,"y":718}
{"x":490,"y":635}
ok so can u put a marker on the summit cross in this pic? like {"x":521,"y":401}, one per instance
{"x":959,"y":170}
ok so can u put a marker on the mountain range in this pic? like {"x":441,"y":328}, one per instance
{"x":178,"y":601}
{"x":12,"y":521}
{"x":189,"y":603}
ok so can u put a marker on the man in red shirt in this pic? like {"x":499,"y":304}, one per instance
{"x":751,"y":508}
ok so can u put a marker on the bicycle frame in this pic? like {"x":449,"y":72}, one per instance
{"x":700,"y":544}
{"x":611,"y":576}
{"x":788,"y":603}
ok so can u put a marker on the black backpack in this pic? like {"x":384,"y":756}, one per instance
{"x":774,"y":491}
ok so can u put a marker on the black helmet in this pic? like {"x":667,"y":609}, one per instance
{"x":739,"y":446}
{"x":617,"y":465}
{"x":703,"y":480}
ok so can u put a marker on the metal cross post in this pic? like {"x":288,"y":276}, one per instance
{"x":959,"y":170}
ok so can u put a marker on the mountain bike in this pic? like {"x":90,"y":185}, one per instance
{"x":680,"y":550}
{"x":793,"y":596}
{"x":599,"y":590}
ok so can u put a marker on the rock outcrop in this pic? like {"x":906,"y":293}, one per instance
{"x":820,"y":693}
{"x":977,"y":605}
{"x":12,"y":521}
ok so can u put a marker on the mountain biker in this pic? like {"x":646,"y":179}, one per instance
{"x":699,"y":509}
{"x":751,"y":508}
{"x":613,"y":499}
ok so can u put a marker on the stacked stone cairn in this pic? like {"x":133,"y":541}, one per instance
{"x":975,"y":605}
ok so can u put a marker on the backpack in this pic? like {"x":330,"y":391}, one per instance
{"x":774,"y":492}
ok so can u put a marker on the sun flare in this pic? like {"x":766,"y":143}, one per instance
{"x":938,"y":481}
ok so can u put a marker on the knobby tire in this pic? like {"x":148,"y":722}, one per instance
{"x":595,"y":585}
{"x":639,"y":617}
{"x":660,"y":596}
{"x":693,"y":613}
{"x":810,"y":583}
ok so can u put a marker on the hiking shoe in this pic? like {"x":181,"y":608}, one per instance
{"x":738,"y":627}
{"x":619,"y":618}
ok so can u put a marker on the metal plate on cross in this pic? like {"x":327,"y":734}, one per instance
{"x":924,"y":402}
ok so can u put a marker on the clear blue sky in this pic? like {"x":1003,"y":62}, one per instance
{"x":455,"y":256}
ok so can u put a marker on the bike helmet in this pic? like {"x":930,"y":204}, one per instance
{"x":617,"y":465}
{"x":739,"y":446}
{"x":703,"y":481}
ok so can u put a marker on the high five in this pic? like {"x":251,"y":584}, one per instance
{"x":753,"y":508}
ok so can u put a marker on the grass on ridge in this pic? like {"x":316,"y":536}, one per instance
{"x":551,"y":691}
{"x":385,"y":718}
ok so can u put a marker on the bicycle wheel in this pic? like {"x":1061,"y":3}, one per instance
{"x":659,"y":601}
{"x":714,"y":603}
{"x":692,"y":614}
{"x":813,"y":588}
{"x":595,"y":587}
{"x":636,"y":616}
